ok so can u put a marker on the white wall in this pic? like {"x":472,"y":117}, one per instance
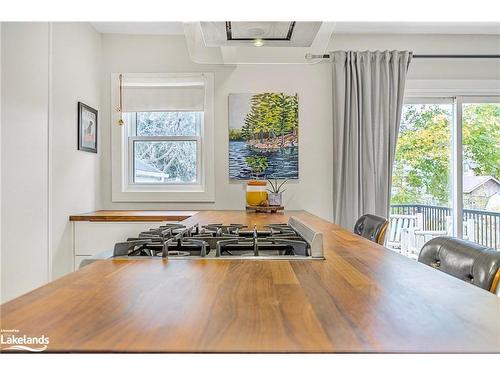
{"x":1,"y":206}
{"x":45,"y":71}
{"x":132,"y":53}
{"x":25,"y":85}
{"x":125,"y":53}
{"x":76,"y":63}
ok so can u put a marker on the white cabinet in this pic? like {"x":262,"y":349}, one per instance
{"x":91,"y":238}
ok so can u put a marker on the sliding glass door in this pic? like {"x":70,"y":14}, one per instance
{"x":446,"y":173}
{"x":480,"y":190}
{"x":421,"y":203}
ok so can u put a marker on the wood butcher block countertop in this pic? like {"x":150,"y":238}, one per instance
{"x":130,"y":215}
{"x":362,"y":298}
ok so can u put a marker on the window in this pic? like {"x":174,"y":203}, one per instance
{"x":480,"y":190}
{"x":164,"y":150}
{"x":163,"y":147}
{"x":446,"y":173}
{"x":422,"y":194}
{"x":422,"y":164}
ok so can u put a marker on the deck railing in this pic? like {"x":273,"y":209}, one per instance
{"x":483,"y":225}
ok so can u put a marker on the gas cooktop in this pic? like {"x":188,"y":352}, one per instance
{"x":294,"y":240}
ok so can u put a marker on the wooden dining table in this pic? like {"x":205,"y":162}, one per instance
{"x":361,"y":298}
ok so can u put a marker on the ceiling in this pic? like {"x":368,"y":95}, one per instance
{"x":417,"y":28}
{"x":235,"y":42}
{"x":148,"y":28}
{"x":270,"y":34}
{"x":176,"y":28}
{"x":214,"y":43}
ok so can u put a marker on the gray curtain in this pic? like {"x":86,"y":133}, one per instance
{"x":368,"y":89}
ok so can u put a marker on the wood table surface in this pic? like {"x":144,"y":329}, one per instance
{"x":361,"y":298}
{"x":133,"y":215}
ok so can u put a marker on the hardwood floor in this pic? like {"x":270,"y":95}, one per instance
{"x":362,"y":298}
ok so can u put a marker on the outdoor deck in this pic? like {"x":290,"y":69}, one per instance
{"x":483,"y":228}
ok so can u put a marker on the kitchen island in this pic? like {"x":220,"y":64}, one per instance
{"x":360,"y":298}
{"x":98,"y":231}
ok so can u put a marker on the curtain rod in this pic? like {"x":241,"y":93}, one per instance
{"x":417,"y":56}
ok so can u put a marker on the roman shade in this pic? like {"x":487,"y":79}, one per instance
{"x":142,"y":94}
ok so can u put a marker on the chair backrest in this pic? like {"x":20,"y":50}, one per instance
{"x":468,"y":261}
{"x":399,"y":222}
{"x":372,"y":227}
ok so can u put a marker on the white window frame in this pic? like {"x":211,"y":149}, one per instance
{"x":123,"y":187}
{"x":457,"y":93}
{"x":132,"y":138}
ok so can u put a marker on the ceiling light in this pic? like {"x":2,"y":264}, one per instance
{"x":258,"y":42}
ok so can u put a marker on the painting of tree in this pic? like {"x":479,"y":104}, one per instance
{"x":263,"y":127}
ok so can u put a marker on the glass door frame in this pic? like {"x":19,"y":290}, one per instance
{"x":456,"y":144}
{"x":440,"y":99}
{"x":457,"y":173}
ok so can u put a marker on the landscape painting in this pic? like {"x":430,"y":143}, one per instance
{"x":263,"y":136}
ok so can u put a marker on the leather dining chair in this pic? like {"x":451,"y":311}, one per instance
{"x":372,"y":227}
{"x":468,"y":261}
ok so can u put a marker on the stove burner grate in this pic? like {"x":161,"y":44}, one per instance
{"x":217,"y":240}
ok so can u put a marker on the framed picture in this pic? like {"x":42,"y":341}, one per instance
{"x":87,"y":128}
{"x":263,"y":136}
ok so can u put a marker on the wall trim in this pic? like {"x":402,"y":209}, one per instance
{"x":452,"y":87}
{"x":50,"y":131}
{"x":1,"y":127}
